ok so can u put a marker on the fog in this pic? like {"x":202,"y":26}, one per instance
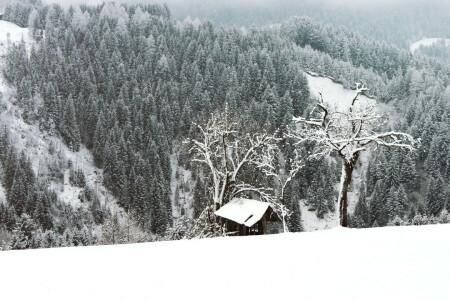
{"x":263,"y":3}
{"x":399,"y":22}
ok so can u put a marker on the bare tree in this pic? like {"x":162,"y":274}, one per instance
{"x":122,"y":228}
{"x":347,"y":132}
{"x":225,"y":150}
{"x":283,"y":176}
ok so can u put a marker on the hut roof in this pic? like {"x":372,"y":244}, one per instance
{"x":243,"y":211}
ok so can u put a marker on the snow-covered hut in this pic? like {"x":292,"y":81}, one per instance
{"x":1,"y":16}
{"x":248,"y":217}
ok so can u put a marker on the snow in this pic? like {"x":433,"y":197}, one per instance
{"x":84,"y":160}
{"x":2,"y":194}
{"x":427,"y":42}
{"x":310,"y":222}
{"x":13,"y":33}
{"x":333,"y":93}
{"x":243,"y":211}
{"x":185,"y":184}
{"x":379,"y":263}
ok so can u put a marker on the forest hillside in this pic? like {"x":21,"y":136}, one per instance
{"x":103,"y":109}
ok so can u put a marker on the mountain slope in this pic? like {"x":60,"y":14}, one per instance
{"x":379,"y":263}
{"x":39,"y":145}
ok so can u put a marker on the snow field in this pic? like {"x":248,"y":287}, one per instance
{"x":333,"y":93}
{"x":185,"y":194}
{"x":2,"y":194}
{"x":427,"y":42}
{"x":13,"y":33}
{"x":379,"y":263}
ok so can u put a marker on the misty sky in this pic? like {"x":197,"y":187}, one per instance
{"x":260,"y":3}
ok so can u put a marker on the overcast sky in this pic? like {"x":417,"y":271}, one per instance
{"x":350,"y":3}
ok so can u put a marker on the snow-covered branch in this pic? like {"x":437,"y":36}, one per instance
{"x":347,"y":132}
{"x":226,"y":150}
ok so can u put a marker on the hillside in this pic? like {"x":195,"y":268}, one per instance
{"x":379,"y":263}
{"x":37,"y":143}
{"x":107,"y":114}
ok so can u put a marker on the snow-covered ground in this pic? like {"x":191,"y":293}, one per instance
{"x":183,"y":181}
{"x":427,"y":42}
{"x":84,"y":160}
{"x":332,"y":92}
{"x":310,"y":222}
{"x":13,"y":33}
{"x":2,"y":194}
{"x":379,"y":263}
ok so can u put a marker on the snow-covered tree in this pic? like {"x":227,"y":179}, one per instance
{"x":347,"y":132}
{"x":435,"y":196}
{"x":226,"y":150}
{"x":23,"y":233}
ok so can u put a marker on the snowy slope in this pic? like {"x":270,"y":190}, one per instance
{"x":11,"y":33}
{"x":2,"y":194}
{"x":37,"y":144}
{"x":379,"y":263}
{"x":333,"y":93}
{"x":310,"y":222}
{"x":181,"y":179}
{"x":426,"y":42}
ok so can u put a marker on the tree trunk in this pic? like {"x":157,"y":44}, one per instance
{"x":347,"y":170}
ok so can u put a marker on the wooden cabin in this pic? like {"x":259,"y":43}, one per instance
{"x":1,"y":16}
{"x":249,"y":217}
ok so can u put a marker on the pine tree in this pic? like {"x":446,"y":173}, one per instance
{"x":17,"y":195}
{"x":321,"y":203}
{"x":447,"y":198}
{"x":299,"y":91}
{"x":112,"y":232}
{"x":377,"y":210}
{"x":435,"y":196}
{"x":408,"y":174}
{"x":23,"y":233}
{"x":69,"y":130}
{"x":397,"y":202}
{"x":435,"y":162}
{"x":295,"y":220}
{"x":391,"y":175}
{"x":285,"y":110}
{"x":391,"y":207}
{"x":200,"y":198}
{"x":361,"y":214}
{"x":99,"y":141}
{"x":401,"y":200}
